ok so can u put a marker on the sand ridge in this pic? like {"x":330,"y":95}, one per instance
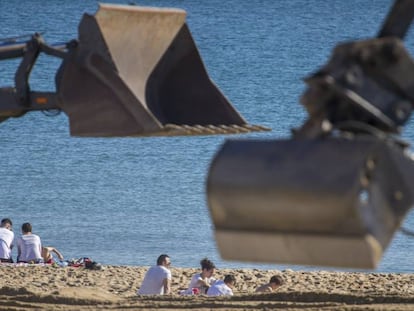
{"x":44,"y":287}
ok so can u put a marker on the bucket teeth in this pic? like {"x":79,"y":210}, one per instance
{"x":190,"y":130}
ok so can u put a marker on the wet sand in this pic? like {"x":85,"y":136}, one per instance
{"x":34,"y":287}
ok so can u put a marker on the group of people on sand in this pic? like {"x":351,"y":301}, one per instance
{"x":157,"y":281}
{"x":29,"y":245}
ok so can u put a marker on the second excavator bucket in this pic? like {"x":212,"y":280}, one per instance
{"x":136,"y":71}
{"x":326,"y":202}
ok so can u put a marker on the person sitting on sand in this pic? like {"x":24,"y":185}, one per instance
{"x":47,"y":254}
{"x":6,"y":240}
{"x":202,"y":281}
{"x":157,"y":280}
{"x":275,"y":282}
{"x":223,"y":288}
{"x":29,"y":246}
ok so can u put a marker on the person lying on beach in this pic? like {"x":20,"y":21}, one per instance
{"x":223,"y":288}
{"x":29,"y":246}
{"x":201,"y":282}
{"x":157,"y":280}
{"x":47,"y":254}
{"x":6,"y":240}
{"x":275,"y":282}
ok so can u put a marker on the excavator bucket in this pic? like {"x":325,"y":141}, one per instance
{"x":335,"y":192}
{"x":323,"y":202}
{"x":136,"y":71}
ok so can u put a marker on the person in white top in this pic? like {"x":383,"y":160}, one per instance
{"x":157,"y":280}
{"x":29,"y":246}
{"x":223,"y":288}
{"x":6,"y":240}
{"x":201,"y":282}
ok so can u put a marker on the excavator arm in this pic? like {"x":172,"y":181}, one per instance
{"x":132,"y":71}
{"x":16,"y":101}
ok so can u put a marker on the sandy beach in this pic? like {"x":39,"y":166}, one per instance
{"x":35,"y":287}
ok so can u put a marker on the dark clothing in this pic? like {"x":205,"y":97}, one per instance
{"x":6,"y":260}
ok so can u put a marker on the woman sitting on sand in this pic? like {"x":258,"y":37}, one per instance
{"x":201,"y":282}
{"x":275,"y":282}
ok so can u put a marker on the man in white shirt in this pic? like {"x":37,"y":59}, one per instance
{"x":29,"y":246}
{"x":222,"y":288}
{"x":157,"y":280}
{"x":6,"y":240}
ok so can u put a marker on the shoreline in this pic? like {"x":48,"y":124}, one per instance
{"x":46,"y":287}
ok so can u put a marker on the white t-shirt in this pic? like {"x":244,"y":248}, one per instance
{"x":6,"y":243}
{"x":29,"y":247}
{"x":153,"y":283}
{"x":219,"y":288}
{"x":194,"y":280}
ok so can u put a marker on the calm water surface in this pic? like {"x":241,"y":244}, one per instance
{"x":125,"y":201}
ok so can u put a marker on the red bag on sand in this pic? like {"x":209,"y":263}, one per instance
{"x":85,"y":262}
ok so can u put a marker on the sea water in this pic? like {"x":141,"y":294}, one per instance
{"x":124,"y":201}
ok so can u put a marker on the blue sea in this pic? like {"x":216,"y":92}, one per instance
{"x":124,"y":201}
